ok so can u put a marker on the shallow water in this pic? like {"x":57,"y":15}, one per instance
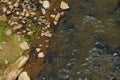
{"x":88,"y":30}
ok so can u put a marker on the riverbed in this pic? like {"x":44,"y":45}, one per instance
{"x":86,"y":43}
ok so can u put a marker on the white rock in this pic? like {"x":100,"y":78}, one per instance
{"x":27,"y":14}
{"x":9,"y":3}
{"x":43,"y":10}
{"x":3,"y":42}
{"x":46,"y":4}
{"x":22,"y":61}
{"x":16,"y":4}
{"x":17,"y":13}
{"x":40,"y":45}
{"x":35,"y":18}
{"x":41,"y":55}
{"x":30,"y":33}
{"x":4,"y":9}
{"x":52,"y":16}
{"x":20,"y":17}
{"x":17,"y":27}
{"x":38,"y":49}
{"x":24,"y":46}
{"x":55,"y":22}
{"x":8,"y":12}
{"x":57,"y":17}
{"x":24,"y":76}
{"x":46,"y":41}
{"x":22,"y":13}
{"x":11,"y":6}
{"x":8,"y":32}
{"x":64,"y":5}
{"x":33,"y":13}
{"x":48,"y":34}
{"x":6,"y":61}
{"x":13,"y":70}
{"x":62,"y":13}
{"x":42,"y":34}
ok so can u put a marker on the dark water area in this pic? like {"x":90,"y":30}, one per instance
{"x":86,"y":43}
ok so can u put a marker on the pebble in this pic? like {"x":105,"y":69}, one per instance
{"x":6,"y":61}
{"x":43,"y":10}
{"x":11,"y":6}
{"x":46,"y":4}
{"x":64,"y":5}
{"x":33,"y":13}
{"x":24,"y":46}
{"x":8,"y":32}
{"x":27,"y":14}
{"x":38,"y":49}
{"x":17,"y":13}
{"x":52,"y":16}
{"x":55,"y":22}
{"x":40,"y":45}
{"x":35,"y":18}
{"x":16,"y":4}
{"x":57,"y":17}
{"x":8,"y":12}
{"x":4,"y":9}
{"x":9,"y":3}
{"x":24,"y":76}
{"x":3,"y":42}
{"x":48,"y":34}
{"x":22,"y":13}
{"x":17,"y":27}
{"x":30,"y":33}
{"x":41,"y":55}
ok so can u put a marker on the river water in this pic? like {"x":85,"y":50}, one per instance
{"x":86,"y":43}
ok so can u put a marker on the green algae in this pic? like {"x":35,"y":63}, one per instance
{"x":36,"y":33}
{"x":3,"y":25}
{"x":11,"y":50}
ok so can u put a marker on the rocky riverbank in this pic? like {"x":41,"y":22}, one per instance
{"x":32,"y":20}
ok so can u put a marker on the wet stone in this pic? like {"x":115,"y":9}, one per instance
{"x":64,"y":75}
{"x":71,"y":66}
{"x":101,"y":45}
{"x":113,"y":78}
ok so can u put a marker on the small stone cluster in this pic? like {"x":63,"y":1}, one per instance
{"x":21,"y":14}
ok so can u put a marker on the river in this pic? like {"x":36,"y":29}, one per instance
{"x":85,"y":42}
